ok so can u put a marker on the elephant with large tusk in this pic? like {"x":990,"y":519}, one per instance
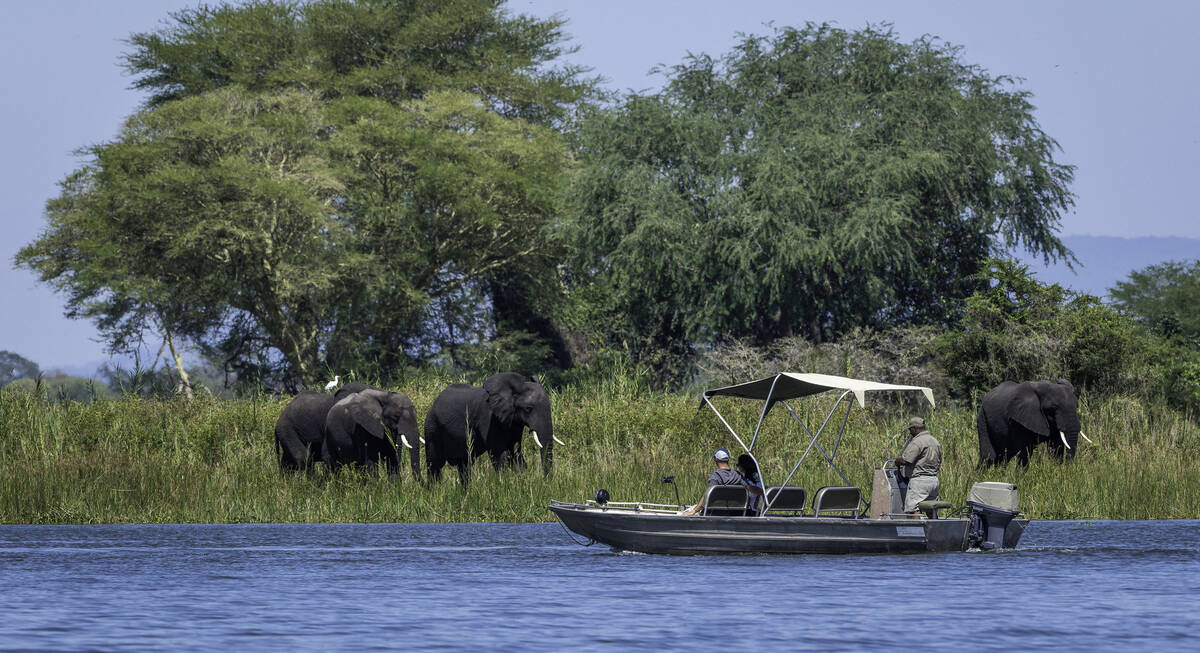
{"x":466,"y":421}
{"x":1014,"y":418}
{"x":369,"y":426}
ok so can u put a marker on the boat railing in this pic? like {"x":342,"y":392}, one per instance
{"x":638,"y":506}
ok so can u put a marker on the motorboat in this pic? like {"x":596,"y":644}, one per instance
{"x":838,"y":520}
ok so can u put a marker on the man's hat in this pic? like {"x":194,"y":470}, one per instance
{"x":916,"y":422}
{"x":721,"y":454}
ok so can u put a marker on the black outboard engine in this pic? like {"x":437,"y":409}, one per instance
{"x":992,"y":506}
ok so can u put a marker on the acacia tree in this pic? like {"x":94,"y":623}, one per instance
{"x":213,"y":205}
{"x":807,"y":183}
{"x":307,"y":179}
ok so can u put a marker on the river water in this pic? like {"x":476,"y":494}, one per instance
{"x":1070,"y":586}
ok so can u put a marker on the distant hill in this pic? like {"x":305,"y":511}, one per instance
{"x":1105,"y":260}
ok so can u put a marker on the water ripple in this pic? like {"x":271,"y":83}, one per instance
{"x":519,"y":587}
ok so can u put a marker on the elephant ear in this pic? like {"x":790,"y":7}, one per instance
{"x":500,"y":397}
{"x":1025,"y":408}
{"x":366,"y":414}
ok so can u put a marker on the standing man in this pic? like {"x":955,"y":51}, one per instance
{"x":920,"y":462}
{"x":722,"y":475}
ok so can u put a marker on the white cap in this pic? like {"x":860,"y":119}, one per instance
{"x":721,"y":454}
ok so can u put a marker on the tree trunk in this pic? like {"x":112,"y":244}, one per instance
{"x":513,"y":308}
{"x":185,"y":386}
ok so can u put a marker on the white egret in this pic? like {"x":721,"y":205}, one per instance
{"x":332,"y":384}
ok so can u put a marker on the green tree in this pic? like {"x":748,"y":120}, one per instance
{"x":1017,"y":329}
{"x":206,"y":209}
{"x":807,"y":183}
{"x":1164,"y":298}
{"x":309,"y":181}
{"x":449,"y":199}
{"x":13,"y":366}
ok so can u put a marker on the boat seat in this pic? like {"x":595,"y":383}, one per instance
{"x":931,"y":506}
{"x":786,"y":499}
{"x":836,"y":499}
{"x":725,"y":501}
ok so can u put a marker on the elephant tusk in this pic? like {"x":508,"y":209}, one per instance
{"x":1064,"y":439}
{"x":1085,"y":437}
{"x":535,"y":439}
{"x":422,"y":438}
{"x":558,"y":441}
{"x":404,"y":439}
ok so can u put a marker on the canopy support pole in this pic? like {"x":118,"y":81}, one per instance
{"x":763,"y":414}
{"x":841,"y":432}
{"x":727,"y":426}
{"x":813,"y":438}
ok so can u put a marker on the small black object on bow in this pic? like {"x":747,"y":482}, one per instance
{"x":671,"y":480}
{"x":601,"y":496}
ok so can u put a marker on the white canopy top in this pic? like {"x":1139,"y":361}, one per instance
{"x":789,"y":385}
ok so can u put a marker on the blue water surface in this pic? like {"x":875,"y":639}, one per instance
{"x":1070,"y":586}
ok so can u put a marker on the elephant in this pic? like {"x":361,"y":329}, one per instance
{"x":370,"y":425}
{"x":465,"y":421}
{"x":1016,"y":417}
{"x":300,"y":429}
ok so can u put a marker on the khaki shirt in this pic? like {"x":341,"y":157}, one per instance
{"x":923,"y":456}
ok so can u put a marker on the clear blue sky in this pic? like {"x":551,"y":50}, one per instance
{"x":1116,"y":83}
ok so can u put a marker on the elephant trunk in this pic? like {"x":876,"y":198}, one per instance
{"x":414,"y":452}
{"x":543,"y":436}
{"x":408,"y":440}
{"x":1066,"y":419}
{"x":1070,"y":440}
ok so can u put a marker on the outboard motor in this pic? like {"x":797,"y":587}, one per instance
{"x":992,"y":506}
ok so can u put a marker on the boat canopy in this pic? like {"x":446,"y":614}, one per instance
{"x":784,"y":386}
{"x":789,"y":385}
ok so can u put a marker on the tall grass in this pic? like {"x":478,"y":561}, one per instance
{"x":213,"y":460}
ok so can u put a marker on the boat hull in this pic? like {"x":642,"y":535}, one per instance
{"x":631,"y":530}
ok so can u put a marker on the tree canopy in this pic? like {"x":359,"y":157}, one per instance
{"x":313,"y":187}
{"x":13,"y":366}
{"x":806,"y":183}
{"x":321,"y":185}
{"x":1165,"y":298}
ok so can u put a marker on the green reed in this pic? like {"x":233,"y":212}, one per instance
{"x":213,"y":460}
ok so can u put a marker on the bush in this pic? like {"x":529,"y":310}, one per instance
{"x":1019,"y":329}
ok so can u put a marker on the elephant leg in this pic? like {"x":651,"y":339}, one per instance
{"x":464,"y":473}
{"x":293,"y":454}
{"x":987,"y":451}
{"x":331,"y":458}
{"x":434,"y":471}
{"x":392,"y":460}
{"x":433,"y":462}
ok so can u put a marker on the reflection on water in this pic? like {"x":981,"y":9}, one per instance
{"x":1070,"y":585}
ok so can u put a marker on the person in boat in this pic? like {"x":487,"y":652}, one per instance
{"x":919,"y":463}
{"x":750,"y":478}
{"x":722,"y":475}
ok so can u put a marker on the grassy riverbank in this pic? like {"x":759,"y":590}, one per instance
{"x":212,"y":460}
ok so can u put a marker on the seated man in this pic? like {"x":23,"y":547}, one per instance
{"x":722,"y":475}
